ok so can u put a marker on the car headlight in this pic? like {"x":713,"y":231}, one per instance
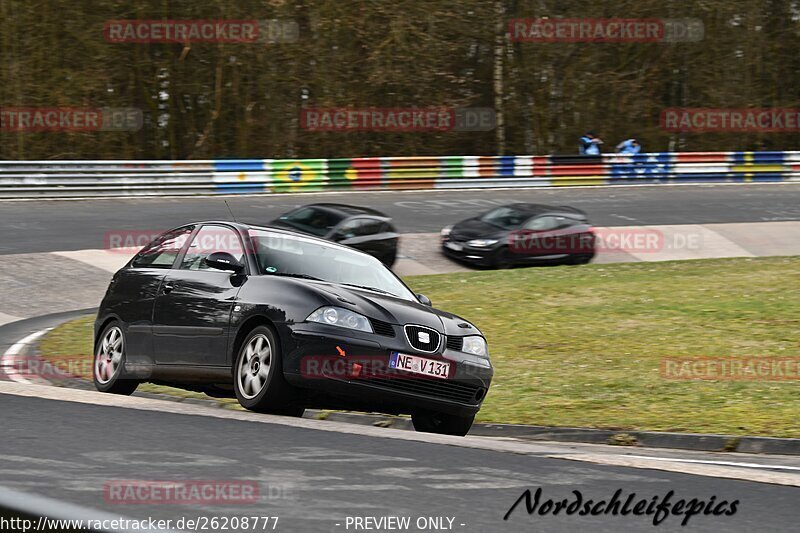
{"x":475,"y":344}
{"x":338,"y":316}
{"x":482,"y":243}
{"x":446,"y":231}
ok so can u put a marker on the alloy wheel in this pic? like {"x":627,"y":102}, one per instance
{"x":254,"y":366}
{"x":109,"y":356}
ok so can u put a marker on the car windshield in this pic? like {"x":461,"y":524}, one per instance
{"x":288,"y":255}
{"x":504,"y":217}
{"x":314,"y":220}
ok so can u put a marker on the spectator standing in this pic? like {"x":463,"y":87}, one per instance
{"x":590,"y":144}
{"x":629,"y":147}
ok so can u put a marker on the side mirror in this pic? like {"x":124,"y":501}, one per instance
{"x":424,"y":300}
{"x":223,"y":261}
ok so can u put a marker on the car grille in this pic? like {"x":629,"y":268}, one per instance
{"x":382,"y":328}
{"x":455,"y":343}
{"x":413,"y":337}
{"x":434,"y":387}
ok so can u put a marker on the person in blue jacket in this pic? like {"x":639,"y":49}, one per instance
{"x":590,"y":144}
{"x":629,"y":147}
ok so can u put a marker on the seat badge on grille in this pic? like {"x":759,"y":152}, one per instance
{"x":424,"y":337}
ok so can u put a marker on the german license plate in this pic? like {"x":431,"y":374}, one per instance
{"x":454,"y":246}
{"x":419,"y":365}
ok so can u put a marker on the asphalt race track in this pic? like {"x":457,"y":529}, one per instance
{"x":69,"y":444}
{"x":47,"y":226}
{"x":313,"y":480}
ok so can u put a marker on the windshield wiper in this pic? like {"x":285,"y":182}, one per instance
{"x":369,"y":288}
{"x":293,"y":275}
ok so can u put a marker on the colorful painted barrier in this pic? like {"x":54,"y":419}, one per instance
{"x":20,"y":179}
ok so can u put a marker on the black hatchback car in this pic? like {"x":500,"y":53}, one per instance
{"x":521,"y":234}
{"x":362,"y":228}
{"x":284,"y":322}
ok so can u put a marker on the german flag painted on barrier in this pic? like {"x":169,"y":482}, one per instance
{"x":411,"y":172}
{"x":577,"y":170}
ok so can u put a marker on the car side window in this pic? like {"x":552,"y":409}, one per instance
{"x":566,"y":222}
{"x":351,"y":228}
{"x":208,"y":240}
{"x":543,"y":223}
{"x":372,"y":226}
{"x":162,"y":252}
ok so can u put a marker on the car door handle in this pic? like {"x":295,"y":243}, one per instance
{"x":168,"y":288}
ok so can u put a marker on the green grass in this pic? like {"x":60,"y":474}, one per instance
{"x":581,"y":346}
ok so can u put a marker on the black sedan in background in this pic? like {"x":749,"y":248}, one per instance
{"x":359,"y":227}
{"x":282,"y":322}
{"x":521,"y":234}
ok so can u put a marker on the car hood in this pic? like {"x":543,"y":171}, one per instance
{"x":396,"y":310}
{"x":475,"y":228}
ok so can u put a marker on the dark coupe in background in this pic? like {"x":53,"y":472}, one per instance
{"x":359,"y":227}
{"x":521,"y":234}
{"x":284,"y":322}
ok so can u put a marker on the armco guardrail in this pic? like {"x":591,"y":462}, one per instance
{"x":26,"y":179}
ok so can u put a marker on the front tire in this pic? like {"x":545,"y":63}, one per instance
{"x":502,"y":259}
{"x":258,"y":379}
{"x":442,"y":423}
{"x":389,"y":258}
{"x":109,"y":363}
{"x":581,"y":259}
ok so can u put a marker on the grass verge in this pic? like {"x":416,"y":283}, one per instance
{"x":582,"y":346}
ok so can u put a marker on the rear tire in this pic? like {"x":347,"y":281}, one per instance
{"x":108,"y":366}
{"x":442,"y":423}
{"x":258,"y":379}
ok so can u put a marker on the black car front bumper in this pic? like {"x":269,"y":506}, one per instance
{"x":483,"y":256}
{"x":350,"y":369}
